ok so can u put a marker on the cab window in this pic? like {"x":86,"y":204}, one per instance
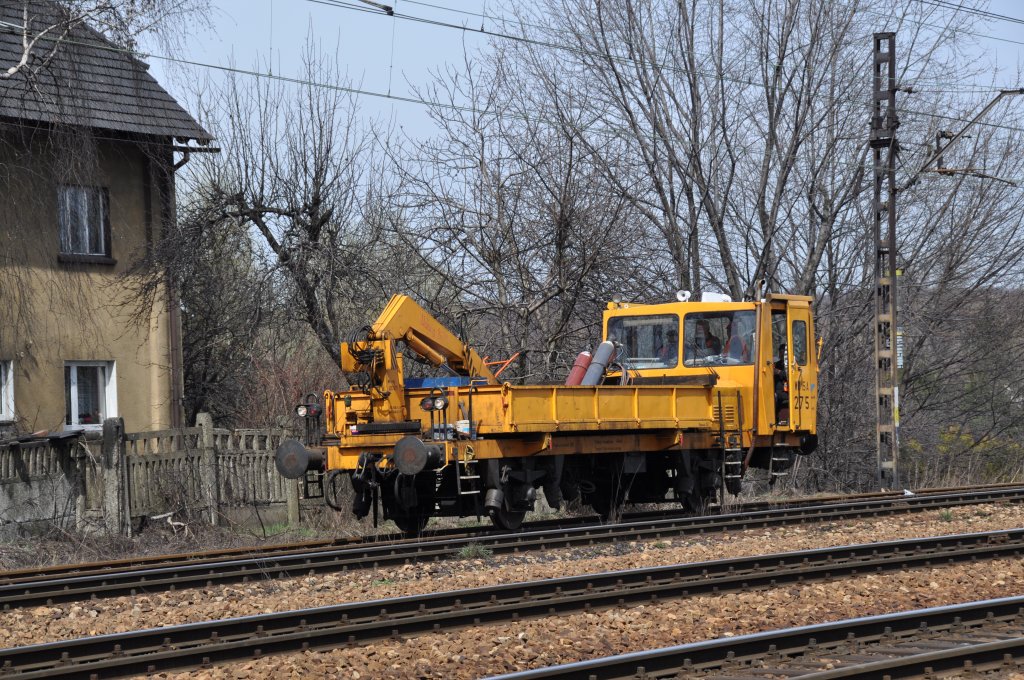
{"x":779,"y":335}
{"x":800,"y":342}
{"x":718,"y":338}
{"x":647,"y":341}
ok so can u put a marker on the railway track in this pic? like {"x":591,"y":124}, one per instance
{"x":61,"y":571}
{"x":201,"y":644}
{"x":974,"y":638}
{"x":25,"y":589}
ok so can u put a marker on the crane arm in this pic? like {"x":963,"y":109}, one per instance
{"x":403,"y":319}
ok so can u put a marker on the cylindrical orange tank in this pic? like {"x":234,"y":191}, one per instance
{"x":579,"y":368}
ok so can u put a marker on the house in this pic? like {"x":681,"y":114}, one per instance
{"x":88,"y":145}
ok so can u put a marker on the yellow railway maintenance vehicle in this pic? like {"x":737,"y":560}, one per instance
{"x":677,"y":402}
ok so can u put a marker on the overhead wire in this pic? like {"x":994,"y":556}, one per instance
{"x":344,"y":4}
{"x":960,"y":8}
{"x":742,"y":79}
{"x":411,"y":99}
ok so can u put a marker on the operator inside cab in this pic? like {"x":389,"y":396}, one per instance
{"x":646,"y":342}
{"x":717,"y":338}
{"x":653,"y":342}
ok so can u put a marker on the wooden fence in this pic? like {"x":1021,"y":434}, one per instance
{"x":195,"y":472}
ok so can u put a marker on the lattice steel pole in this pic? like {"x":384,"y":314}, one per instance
{"x":884,"y":149}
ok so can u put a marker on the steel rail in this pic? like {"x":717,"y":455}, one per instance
{"x":202,"y":644}
{"x":51,"y":591}
{"x":983,"y":635}
{"x":35,"y":574}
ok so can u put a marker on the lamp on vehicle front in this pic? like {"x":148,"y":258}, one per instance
{"x":309,"y":409}
{"x":440,"y":403}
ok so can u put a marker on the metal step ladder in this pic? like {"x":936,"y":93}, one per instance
{"x":779,"y":464}
{"x":731,"y":442}
{"x":467,"y":477}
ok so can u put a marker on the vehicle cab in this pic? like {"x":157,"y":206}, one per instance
{"x":758,"y":354}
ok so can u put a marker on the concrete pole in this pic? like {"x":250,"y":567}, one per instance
{"x":116,"y":513}
{"x":208,"y":467}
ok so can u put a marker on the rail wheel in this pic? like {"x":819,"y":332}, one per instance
{"x":608,"y":499}
{"x":698,"y":503}
{"x":411,"y":525}
{"x":508,"y":520}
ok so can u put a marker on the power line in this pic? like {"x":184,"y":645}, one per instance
{"x":956,"y":7}
{"x":343,"y":4}
{"x":409,"y":99}
{"x":741,"y":80}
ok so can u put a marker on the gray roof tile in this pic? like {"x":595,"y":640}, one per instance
{"x":89,"y":82}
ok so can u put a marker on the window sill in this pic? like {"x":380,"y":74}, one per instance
{"x":69,"y":258}
{"x":83,"y":428}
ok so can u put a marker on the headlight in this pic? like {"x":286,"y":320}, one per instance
{"x":301,"y":410}
{"x":440,"y":403}
{"x":427,"y":403}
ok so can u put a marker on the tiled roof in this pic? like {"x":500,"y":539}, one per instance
{"x":88,"y":82}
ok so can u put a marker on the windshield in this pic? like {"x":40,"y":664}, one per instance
{"x":717,"y":338}
{"x":647,"y":341}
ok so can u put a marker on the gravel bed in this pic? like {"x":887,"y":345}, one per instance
{"x":475,"y":652}
{"x":119,"y":614}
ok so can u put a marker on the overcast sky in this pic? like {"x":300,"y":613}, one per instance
{"x":385,"y":54}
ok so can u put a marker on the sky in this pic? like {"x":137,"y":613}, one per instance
{"x":382,"y":54}
{"x":391,"y":55}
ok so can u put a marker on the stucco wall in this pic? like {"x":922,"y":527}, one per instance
{"x":54,"y":311}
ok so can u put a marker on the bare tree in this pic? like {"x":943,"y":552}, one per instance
{"x":44,"y":26}
{"x":296,"y":174}
{"x":745,"y":126}
{"x":520,"y":226}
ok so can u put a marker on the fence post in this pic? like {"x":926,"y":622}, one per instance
{"x":210,"y":476}
{"x":80,"y":463}
{"x":116,"y":500}
{"x":292,"y":488}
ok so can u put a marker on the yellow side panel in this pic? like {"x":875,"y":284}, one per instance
{"x":532,"y":409}
{"x":617,"y":409}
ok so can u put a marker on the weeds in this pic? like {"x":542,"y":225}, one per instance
{"x":474,"y":551}
{"x":946,"y":515}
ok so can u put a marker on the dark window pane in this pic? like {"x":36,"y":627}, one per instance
{"x":800,"y":342}
{"x":67,"y":395}
{"x":90,"y":394}
{"x":778,"y":335}
{"x":95,"y":226}
{"x":647,"y":341}
{"x":82,"y":220}
{"x":718,"y":338}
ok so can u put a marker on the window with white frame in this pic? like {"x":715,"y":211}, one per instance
{"x":6,"y":390}
{"x":82,"y":213}
{"x":90,"y":394}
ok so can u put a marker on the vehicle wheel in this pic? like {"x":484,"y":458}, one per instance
{"x":508,"y":520}
{"x":411,"y":525}
{"x":695,"y":503}
{"x":608,"y":504}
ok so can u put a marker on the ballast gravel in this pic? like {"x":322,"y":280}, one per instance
{"x":534,"y":643}
{"x":40,"y":624}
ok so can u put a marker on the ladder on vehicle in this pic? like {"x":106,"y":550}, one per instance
{"x":779,"y":463}
{"x":466,"y":474}
{"x":731,"y":443}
